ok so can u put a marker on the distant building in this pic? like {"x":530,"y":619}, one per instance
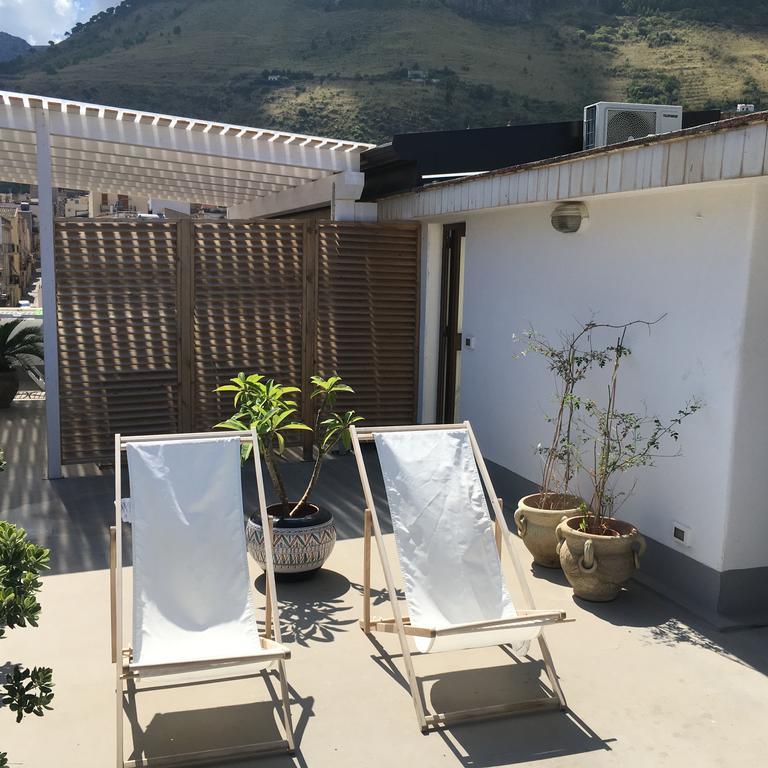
{"x":76,"y":206}
{"x":115,"y":204}
{"x":18,"y":249}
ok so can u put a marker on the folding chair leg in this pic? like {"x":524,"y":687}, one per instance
{"x":287,"y":719}
{"x":367,"y":572}
{"x":549,"y":665}
{"x":497,"y":530}
{"x":268,"y":617}
{"x":119,"y":721}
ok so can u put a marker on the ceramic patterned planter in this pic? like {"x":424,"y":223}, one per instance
{"x":536,"y":526}
{"x":300,"y":545}
{"x":597,"y":566}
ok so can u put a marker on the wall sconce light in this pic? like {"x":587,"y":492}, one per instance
{"x":568,"y":217}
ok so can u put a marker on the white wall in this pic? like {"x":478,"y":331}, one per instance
{"x":684,"y":252}
{"x":747,"y":525}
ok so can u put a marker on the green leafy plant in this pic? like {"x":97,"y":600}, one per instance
{"x":271,"y":410}
{"x":570,"y":361}
{"x":20,"y":564}
{"x":19,"y":343}
{"x":25,"y":691}
{"x":614,"y":442}
{"x":28,"y":691}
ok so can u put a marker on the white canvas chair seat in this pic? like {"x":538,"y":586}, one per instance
{"x":445,"y":540}
{"x":191,"y":587}
{"x":449,"y":550}
{"x":193,"y":613}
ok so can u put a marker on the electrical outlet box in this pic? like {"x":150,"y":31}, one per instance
{"x":681,"y":534}
{"x":469,"y":342}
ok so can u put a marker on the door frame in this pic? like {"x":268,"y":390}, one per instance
{"x":450,"y":322}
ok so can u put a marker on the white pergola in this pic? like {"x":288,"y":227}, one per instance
{"x":252,"y":171}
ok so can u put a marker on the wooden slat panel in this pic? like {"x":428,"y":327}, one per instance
{"x":116,"y":297}
{"x":247,"y":308}
{"x":368,"y":316}
{"x":153,"y":316}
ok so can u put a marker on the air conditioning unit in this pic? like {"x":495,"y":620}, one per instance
{"x":611,"y":122}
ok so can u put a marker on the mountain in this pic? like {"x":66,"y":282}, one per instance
{"x":365,"y":69}
{"x":11,"y":47}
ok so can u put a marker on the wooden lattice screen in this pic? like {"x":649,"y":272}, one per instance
{"x":248,"y":293}
{"x":153,"y":315}
{"x":118,"y":329}
{"x":367,"y":316}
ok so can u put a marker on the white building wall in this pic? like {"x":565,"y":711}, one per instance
{"x":747,"y":525}
{"x":682,"y":252}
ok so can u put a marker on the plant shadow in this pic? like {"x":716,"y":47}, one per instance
{"x":312,"y":611}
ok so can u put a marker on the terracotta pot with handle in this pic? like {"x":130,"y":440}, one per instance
{"x":597,"y":566}
{"x":536,"y":525}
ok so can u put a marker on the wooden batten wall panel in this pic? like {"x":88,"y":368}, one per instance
{"x":116,"y":306}
{"x":368,"y":316}
{"x":153,"y":316}
{"x":247,"y":308}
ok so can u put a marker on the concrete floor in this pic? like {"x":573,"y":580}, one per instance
{"x":647,"y":684}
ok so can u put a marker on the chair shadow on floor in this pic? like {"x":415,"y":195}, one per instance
{"x":504,"y":740}
{"x":312,"y":611}
{"x":197,"y":730}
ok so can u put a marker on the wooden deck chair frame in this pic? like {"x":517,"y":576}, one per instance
{"x":400,"y":624}
{"x":278,"y":653}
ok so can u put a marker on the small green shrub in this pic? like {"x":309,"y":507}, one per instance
{"x":25,"y":691}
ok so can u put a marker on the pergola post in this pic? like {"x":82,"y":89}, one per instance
{"x":48,"y":272}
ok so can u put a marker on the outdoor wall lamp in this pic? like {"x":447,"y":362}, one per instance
{"x":567,"y":217}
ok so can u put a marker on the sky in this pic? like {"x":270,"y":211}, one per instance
{"x":39,"y":21}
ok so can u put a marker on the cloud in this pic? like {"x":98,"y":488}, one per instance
{"x":39,"y":21}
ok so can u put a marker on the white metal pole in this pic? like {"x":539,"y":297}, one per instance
{"x":48,"y":270}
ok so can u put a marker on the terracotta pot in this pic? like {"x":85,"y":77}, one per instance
{"x":597,"y":566}
{"x":300,"y":544}
{"x":536,"y":526}
{"x":9,"y":386}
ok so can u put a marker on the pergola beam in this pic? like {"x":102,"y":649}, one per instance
{"x":105,"y":149}
{"x":123,"y":176}
{"x":179,"y":135}
{"x":26,"y":175}
{"x":346,"y":186}
{"x":61,"y":156}
{"x":48,"y":277}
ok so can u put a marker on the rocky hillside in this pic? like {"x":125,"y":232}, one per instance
{"x":11,"y":47}
{"x":365,"y":68}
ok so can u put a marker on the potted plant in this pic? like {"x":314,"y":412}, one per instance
{"x":24,"y":691}
{"x":538,"y":514}
{"x":599,"y":553}
{"x":304,"y":534}
{"x":16,"y":344}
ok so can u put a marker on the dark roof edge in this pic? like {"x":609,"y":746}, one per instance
{"x":659,"y":138}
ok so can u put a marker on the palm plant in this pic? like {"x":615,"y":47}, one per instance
{"x":17,"y":344}
{"x":270,"y":410}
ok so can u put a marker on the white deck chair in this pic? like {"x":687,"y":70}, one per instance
{"x":449,"y":557}
{"x":193,"y":612}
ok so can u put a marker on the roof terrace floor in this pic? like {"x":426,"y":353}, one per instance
{"x":647,"y":683}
